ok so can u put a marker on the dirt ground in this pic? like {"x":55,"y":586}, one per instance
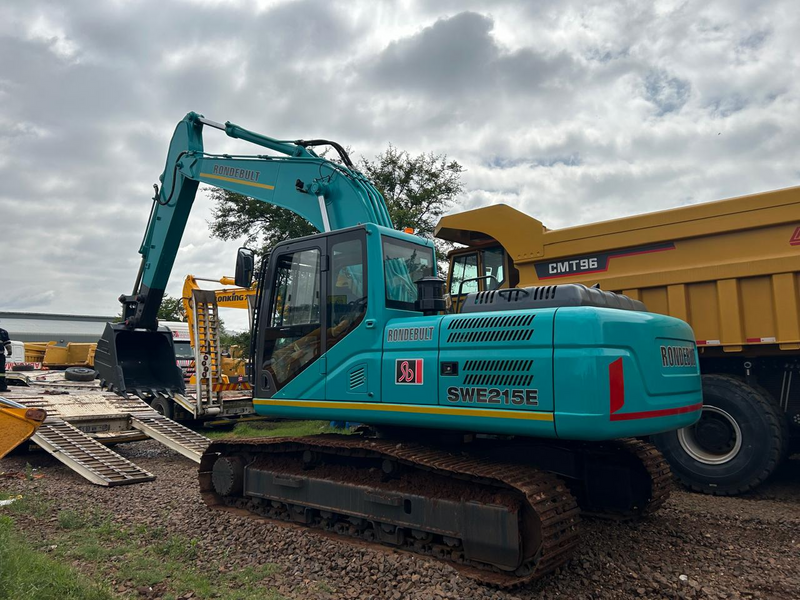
{"x":696,"y":547}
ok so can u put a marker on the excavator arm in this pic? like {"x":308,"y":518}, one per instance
{"x":327,"y":194}
{"x":330,"y":195}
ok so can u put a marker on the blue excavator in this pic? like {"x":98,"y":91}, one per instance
{"x":489,"y":431}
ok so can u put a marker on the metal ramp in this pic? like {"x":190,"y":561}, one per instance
{"x":208,"y":356}
{"x":86,"y":456}
{"x":80,"y":421}
{"x":173,"y":435}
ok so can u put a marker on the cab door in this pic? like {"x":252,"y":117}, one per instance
{"x":462,"y":277}
{"x":292,"y":325}
{"x":353,"y":343}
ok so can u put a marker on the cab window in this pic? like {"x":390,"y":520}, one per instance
{"x":404,"y":263}
{"x":492,"y":259}
{"x":347,"y":297}
{"x":465,"y":267}
{"x":183,"y":350}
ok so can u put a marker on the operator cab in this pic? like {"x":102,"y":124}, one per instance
{"x":320,"y":289}
{"x":478,"y":269}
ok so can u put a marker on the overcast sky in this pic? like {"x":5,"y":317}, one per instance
{"x":571,"y":111}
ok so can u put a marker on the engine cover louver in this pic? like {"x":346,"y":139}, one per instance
{"x":512,"y":372}
{"x":505,"y":328}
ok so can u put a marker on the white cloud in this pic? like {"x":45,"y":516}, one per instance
{"x":571,"y":111}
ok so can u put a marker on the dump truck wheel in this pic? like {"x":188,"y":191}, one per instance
{"x":163,"y":406}
{"x":736,"y":445}
{"x":783,"y":421}
{"x":22,"y":367}
{"x":79,"y":374}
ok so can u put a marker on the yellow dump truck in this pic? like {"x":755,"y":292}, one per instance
{"x":731,"y":269}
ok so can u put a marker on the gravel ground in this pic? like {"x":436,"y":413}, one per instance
{"x":695,"y":547}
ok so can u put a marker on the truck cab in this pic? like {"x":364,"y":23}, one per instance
{"x":479,"y":268}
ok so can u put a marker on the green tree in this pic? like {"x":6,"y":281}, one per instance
{"x":236,"y":338}
{"x":171,"y":309}
{"x":418,"y":190}
{"x":262,"y":224}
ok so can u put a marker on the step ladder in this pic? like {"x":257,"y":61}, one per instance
{"x":173,"y":435}
{"x":208,"y":355}
{"x":86,"y":456}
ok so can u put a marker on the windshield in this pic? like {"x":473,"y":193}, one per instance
{"x":404,"y":263}
{"x":183,"y":350}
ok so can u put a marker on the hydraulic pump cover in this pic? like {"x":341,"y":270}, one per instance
{"x":547,"y":296}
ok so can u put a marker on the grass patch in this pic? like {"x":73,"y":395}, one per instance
{"x":70,"y":519}
{"x":30,"y":575}
{"x":256,"y":429}
{"x":134,"y":556}
{"x":29,"y":505}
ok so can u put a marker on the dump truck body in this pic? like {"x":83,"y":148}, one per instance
{"x":731,"y":269}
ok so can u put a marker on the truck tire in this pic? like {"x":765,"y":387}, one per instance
{"x":163,"y":406}
{"x":79,"y":374}
{"x":736,"y":445}
{"x":783,"y":421}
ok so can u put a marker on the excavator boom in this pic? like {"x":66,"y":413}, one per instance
{"x":134,"y":356}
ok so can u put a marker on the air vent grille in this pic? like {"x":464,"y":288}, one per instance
{"x":514,"y":380}
{"x":491,"y":322}
{"x":507,"y":328}
{"x":358,"y":377}
{"x":514,"y":373}
{"x":498,"y":365}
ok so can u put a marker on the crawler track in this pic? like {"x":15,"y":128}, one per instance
{"x":657,"y":468}
{"x":548,"y":515}
{"x":651,"y":472}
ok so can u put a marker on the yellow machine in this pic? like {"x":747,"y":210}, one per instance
{"x":731,"y":269}
{"x":52,"y":356}
{"x":17,"y":424}
{"x":233,"y":366}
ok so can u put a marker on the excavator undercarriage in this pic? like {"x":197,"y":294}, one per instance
{"x":503,"y":523}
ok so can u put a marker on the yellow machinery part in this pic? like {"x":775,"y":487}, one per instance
{"x":17,"y":424}
{"x":72,"y":355}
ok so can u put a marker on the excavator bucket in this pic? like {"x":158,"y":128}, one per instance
{"x":17,"y":424}
{"x":138,"y":361}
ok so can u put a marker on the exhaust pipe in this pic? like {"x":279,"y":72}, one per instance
{"x":138,"y":361}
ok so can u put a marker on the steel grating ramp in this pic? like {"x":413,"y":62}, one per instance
{"x":86,"y":456}
{"x":80,"y":422}
{"x":173,"y":435}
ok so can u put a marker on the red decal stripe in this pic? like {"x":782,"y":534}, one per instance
{"x":652,"y":414}
{"x":419,"y":371}
{"x":616,"y":385}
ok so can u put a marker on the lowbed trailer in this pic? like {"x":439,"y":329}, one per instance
{"x":731,"y":269}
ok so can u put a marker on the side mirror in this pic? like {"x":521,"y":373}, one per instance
{"x":245,"y":266}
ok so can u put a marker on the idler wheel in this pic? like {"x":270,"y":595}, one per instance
{"x":227,"y":475}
